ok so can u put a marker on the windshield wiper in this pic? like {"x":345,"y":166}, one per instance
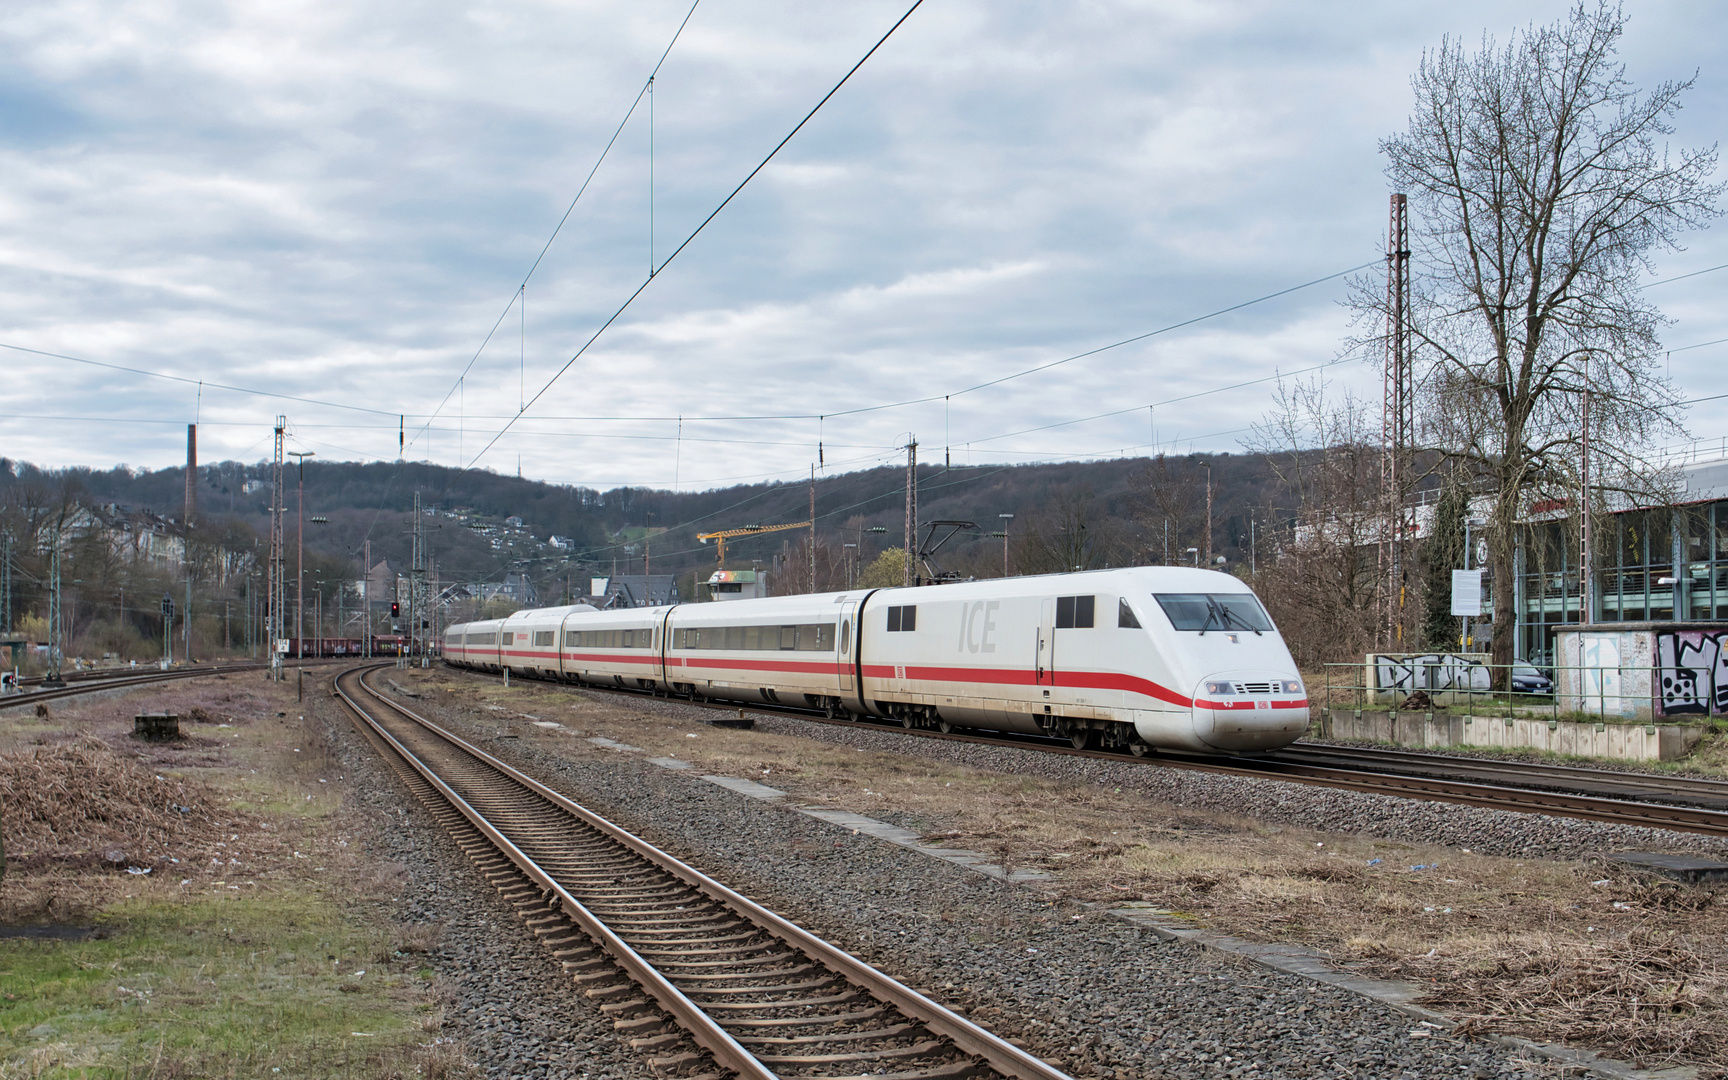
{"x":1243,"y":622}
{"x":1211,"y":614}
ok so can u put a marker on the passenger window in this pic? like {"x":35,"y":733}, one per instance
{"x":903,"y":618}
{"x":845,"y":636}
{"x":570,"y":637}
{"x":1074,"y":612}
{"x":1125,"y":616}
{"x":509,"y":638}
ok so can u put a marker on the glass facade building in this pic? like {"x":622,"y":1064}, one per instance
{"x":1652,"y":565}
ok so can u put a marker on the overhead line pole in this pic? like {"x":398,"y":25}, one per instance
{"x":911,"y":508}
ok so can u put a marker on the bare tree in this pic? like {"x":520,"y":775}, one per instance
{"x":1073,"y":530}
{"x":1323,"y":587}
{"x":1539,"y":191}
{"x":1170,"y":508}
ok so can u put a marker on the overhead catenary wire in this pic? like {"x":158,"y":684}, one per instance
{"x":699,"y":228}
{"x":557,"y":229}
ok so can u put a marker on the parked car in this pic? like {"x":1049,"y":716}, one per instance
{"x":1528,"y":679}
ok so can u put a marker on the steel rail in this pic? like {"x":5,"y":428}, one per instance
{"x":967,"y":1037}
{"x":1577,"y":779}
{"x":1426,"y":789}
{"x":121,"y":682}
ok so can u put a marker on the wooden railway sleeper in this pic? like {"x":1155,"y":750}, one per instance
{"x":742,"y":935}
{"x":740,"y":956}
{"x":683,"y":978}
{"x":889,"y":1032}
{"x":783,"y":988}
{"x":954,"y":1070}
{"x":859,"y":1017}
{"x":923,"y":1049}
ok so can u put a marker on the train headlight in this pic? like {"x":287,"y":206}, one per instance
{"x":1220,"y":689}
{"x":1292,"y":686}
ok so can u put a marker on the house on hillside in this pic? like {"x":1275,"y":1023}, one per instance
{"x":633,"y":591}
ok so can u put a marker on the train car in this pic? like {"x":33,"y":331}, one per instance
{"x":621,"y":648}
{"x":782,"y":649}
{"x":1132,"y":659}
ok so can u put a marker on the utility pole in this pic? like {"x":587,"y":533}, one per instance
{"x":1586,"y":529}
{"x":6,"y":586}
{"x":300,"y":557}
{"x":1398,"y":416}
{"x":911,"y":508}
{"x":1208,"y":466}
{"x":1007,"y":520}
{"x":56,"y":625}
{"x":812,"y":528}
{"x":366,"y":599}
{"x":275,"y":595}
{"x":190,"y":514}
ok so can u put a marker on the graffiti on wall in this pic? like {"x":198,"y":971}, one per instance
{"x":1692,"y":672}
{"x":1408,"y":672}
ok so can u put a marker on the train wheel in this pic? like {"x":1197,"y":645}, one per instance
{"x":1083,"y":738}
{"x":1139,"y":748}
{"x":907,"y":721}
{"x":945,"y":727}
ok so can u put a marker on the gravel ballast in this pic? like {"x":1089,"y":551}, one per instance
{"x":1096,"y":995}
{"x":515,"y":1012}
{"x":1489,"y":832}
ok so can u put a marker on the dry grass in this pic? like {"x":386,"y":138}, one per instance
{"x":259,"y":871}
{"x":1551,"y":950}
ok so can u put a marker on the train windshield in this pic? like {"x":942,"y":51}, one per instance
{"x":1214,"y":611}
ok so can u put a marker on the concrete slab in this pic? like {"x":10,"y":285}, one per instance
{"x":669,"y":763}
{"x":1679,"y":867}
{"x":608,"y":744}
{"x":747,"y":787}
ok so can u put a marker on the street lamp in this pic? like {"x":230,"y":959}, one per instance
{"x":859,"y":557}
{"x":1196,"y":553}
{"x":1007,"y":519}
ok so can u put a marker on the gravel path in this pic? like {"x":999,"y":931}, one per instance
{"x":512,"y":1008}
{"x":1090,"y":992}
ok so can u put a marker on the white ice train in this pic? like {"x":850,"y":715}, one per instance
{"x":1136,"y":659}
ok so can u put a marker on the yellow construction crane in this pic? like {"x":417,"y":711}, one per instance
{"x":748,"y":530}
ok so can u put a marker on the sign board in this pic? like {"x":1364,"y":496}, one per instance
{"x":282,"y":646}
{"x":597,"y":586}
{"x":1467,"y":593}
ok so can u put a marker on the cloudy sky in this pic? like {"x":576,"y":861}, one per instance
{"x":338,"y":202}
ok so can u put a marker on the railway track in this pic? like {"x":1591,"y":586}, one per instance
{"x":95,"y":683}
{"x":1615,"y":798}
{"x":1636,"y":787}
{"x":705,"y":981}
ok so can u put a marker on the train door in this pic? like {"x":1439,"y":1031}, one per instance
{"x":1047,"y":643}
{"x":848,"y":660}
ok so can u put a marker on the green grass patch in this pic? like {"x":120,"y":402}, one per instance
{"x":233,"y":986}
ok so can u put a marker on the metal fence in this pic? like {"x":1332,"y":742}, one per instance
{"x":1637,"y":691}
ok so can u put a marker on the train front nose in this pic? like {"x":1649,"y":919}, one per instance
{"x":1237,"y":712}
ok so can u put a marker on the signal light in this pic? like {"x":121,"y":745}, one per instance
{"x":395,"y":610}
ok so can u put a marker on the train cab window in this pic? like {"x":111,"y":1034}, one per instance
{"x":1125,"y":618}
{"x":544,"y":637}
{"x":1214,"y":611}
{"x":903,"y":618}
{"x":1074,"y":612}
{"x":509,"y":637}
